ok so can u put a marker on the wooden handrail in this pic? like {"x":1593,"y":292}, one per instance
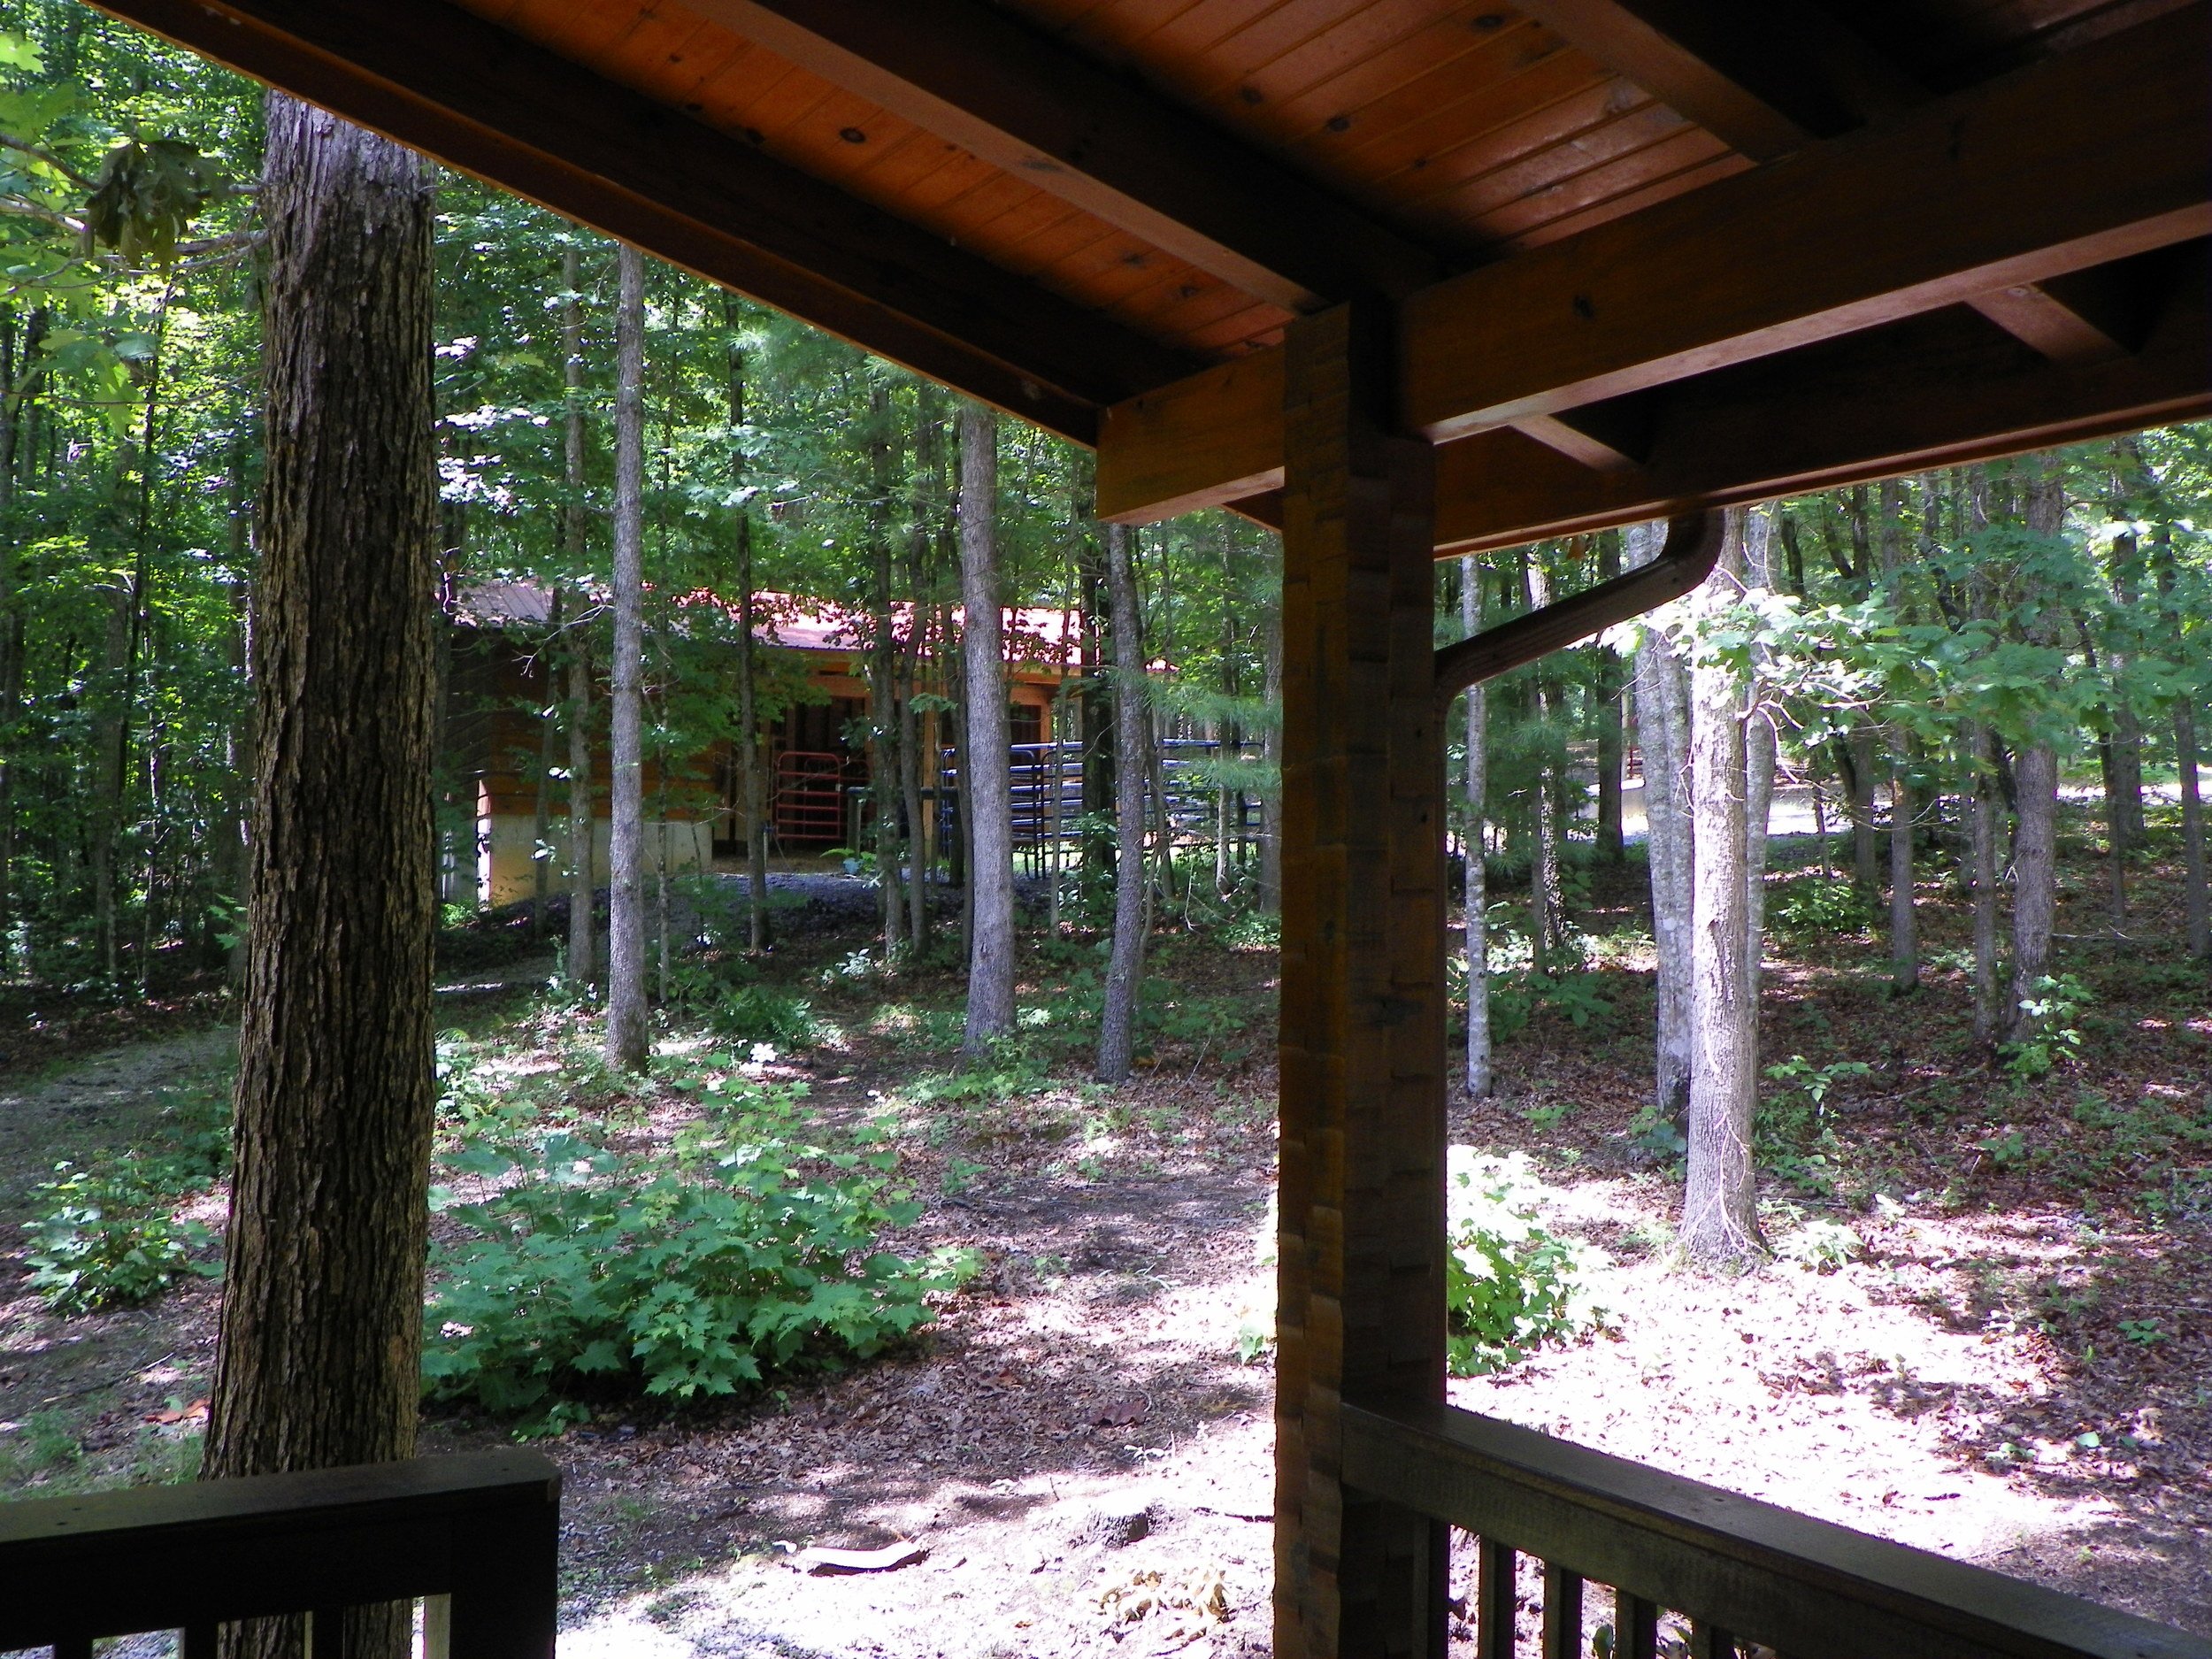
{"x":481,"y":1528}
{"x":1807,"y":1588}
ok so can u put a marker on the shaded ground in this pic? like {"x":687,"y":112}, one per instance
{"x":2016,"y":1367}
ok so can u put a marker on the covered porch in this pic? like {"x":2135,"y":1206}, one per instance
{"x":1405,"y":279}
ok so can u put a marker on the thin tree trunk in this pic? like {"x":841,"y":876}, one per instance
{"x":883,"y":749}
{"x":583,"y":955}
{"x":1124,"y":964}
{"x":1662,"y":727}
{"x":990,"y":803}
{"x":1904,"y":934}
{"x":628,"y":1037}
{"x":108,"y":744}
{"x":1859,"y":751}
{"x":318,"y":1358}
{"x":1720,"y":1220}
{"x":1546,"y":891}
{"x":1758,"y":533}
{"x":1612,"y":845}
{"x":752,"y":788}
{"x":1477,"y":913}
{"x":1982,"y":874}
{"x":2199,"y":934}
{"x":548,"y":752}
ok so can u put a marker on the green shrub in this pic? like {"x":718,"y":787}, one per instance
{"x":755,"y":1254}
{"x":107,"y":1238}
{"x":1819,"y":904}
{"x":754,"y":1013}
{"x":1511,"y":1284}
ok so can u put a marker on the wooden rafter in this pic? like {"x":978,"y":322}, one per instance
{"x":2077,"y":162}
{"x":976,"y":74}
{"x":480,"y":98}
{"x":1939,"y":390}
{"x":1771,"y":76}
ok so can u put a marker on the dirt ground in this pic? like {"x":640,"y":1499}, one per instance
{"x":1082,"y":1456}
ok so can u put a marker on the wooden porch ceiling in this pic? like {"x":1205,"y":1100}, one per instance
{"x":1648,"y":254}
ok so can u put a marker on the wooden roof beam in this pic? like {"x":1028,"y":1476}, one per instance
{"x":478,"y":97}
{"x":1769,"y":77}
{"x":977,"y":75}
{"x":2076,"y":162}
{"x":1931,"y":391}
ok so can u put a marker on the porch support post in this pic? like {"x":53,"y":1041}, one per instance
{"x":1360,"y":1310}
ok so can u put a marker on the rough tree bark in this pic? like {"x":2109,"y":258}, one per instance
{"x":2035,"y":835}
{"x":928,"y":435}
{"x":1720,"y":1216}
{"x":1663,"y":729}
{"x":989,"y":803}
{"x":1476,"y":911}
{"x":1546,"y":892}
{"x":1124,"y":964}
{"x":1758,"y":533}
{"x":318,"y":1358}
{"x":627,"y":1036}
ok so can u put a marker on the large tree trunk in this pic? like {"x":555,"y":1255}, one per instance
{"x":1476,"y":912}
{"x":1663,"y":729}
{"x":1720,"y":1218}
{"x":990,"y":800}
{"x":583,"y":952}
{"x":1125,"y":963}
{"x":626,"y":1035}
{"x":108,"y":745}
{"x":318,"y":1359}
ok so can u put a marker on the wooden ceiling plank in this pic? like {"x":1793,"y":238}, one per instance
{"x":974,"y":73}
{"x":491,"y":104}
{"x":2071,"y":163}
{"x":1927,"y":393}
{"x":2066,"y":164}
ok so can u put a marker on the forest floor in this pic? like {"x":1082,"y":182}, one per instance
{"x":2010,"y":1360}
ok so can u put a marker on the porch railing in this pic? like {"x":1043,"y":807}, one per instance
{"x":1735,"y":1571}
{"x":473,"y":1537}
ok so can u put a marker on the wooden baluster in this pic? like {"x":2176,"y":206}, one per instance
{"x":1562,"y":1613}
{"x":1635,"y":1627}
{"x":1496,"y":1600}
{"x":437,"y":1627}
{"x":1710,"y":1642}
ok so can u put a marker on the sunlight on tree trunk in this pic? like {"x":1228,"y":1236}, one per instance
{"x":990,"y":804}
{"x":318,"y":1359}
{"x":628,"y":1038}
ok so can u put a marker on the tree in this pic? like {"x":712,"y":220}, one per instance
{"x":318,"y":1358}
{"x":1476,"y":916}
{"x":1720,"y":1214}
{"x":627,"y":1033}
{"x":1124,"y":964}
{"x":1663,"y":729}
{"x":990,"y":805}
{"x":2035,"y":786}
{"x":746,"y":750}
{"x":583,"y":964}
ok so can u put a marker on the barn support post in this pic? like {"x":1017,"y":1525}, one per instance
{"x":1361,"y":1288}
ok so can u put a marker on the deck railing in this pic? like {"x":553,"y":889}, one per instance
{"x":1735,"y":1571}
{"x":473,"y":1537}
